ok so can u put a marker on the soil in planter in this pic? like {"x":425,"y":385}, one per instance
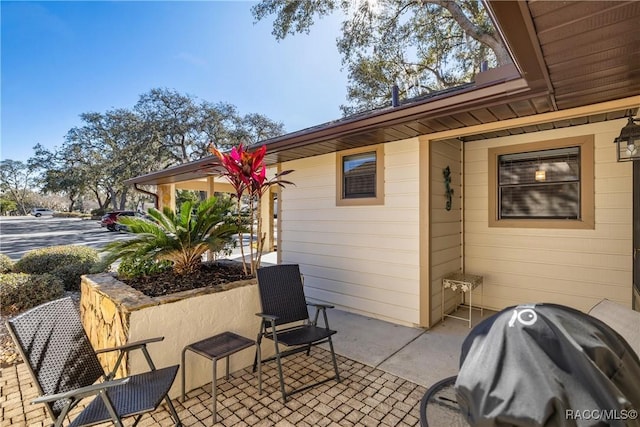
{"x":165,"y":283}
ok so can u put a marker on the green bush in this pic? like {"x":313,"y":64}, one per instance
{"x":97,"y":213}
{"x":137,"y":267}
{"x":71,"y":215}
{"x":6,"y":264}
{"x":20,"y":291}
{"x":67,"y":263}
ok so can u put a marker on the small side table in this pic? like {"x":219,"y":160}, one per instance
{"x":215,"y":348}
{"x":467,"y":283}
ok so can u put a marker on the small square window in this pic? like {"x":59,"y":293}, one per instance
{"x":360,"y":176}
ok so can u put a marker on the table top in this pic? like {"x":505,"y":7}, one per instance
{"x":465,"y":281}
{"x":220,"y":345}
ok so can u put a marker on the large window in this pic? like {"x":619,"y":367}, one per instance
{"x":547,"y":184}
{"x":360,"y":176}
{"x":540,"y":184}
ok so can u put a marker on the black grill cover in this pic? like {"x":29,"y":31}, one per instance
{"x":547,"y":365}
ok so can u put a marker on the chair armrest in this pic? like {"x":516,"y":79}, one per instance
{"x":268,"y":317}
{"x":321,"y":306}
{"x":131,"y":346}
{"x":124,"y":349}
{"x":81,"y":392}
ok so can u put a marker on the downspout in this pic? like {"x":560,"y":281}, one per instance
{"x":148,"y":193}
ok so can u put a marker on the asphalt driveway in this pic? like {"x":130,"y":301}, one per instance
{"x":21,"y":234}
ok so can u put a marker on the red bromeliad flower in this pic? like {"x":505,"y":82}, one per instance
{"x":245,"y":170}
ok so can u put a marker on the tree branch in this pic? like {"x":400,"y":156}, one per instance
{"x":502,"y":55}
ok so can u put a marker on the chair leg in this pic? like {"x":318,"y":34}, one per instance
{"x":258,"y":341}
{"x":172,"y":411}
{"x":284,"y":394}
{"x":335,"y":362}
{"x":110,"y":409}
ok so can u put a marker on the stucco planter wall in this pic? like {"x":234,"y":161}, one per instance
{"x":114,"y":313}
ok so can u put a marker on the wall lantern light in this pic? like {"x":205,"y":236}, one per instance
{"x":628,"y":143}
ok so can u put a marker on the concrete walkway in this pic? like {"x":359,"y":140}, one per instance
{"x":418,"y":355}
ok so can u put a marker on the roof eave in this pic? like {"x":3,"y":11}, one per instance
{"x":432,"y":107}
{"x":202,"y":168}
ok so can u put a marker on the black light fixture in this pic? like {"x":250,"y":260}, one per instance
{"x":628,"y":143}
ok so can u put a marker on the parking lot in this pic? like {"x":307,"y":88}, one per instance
{"x":21,"y":234}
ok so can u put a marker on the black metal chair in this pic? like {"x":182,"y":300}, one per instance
{"x":66,"y":369}
{"x":285,"y":319}
{"x":439,"y":405}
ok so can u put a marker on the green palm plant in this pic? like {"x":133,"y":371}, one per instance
{"x":181,"y":238}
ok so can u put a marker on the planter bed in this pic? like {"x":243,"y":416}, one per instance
{"x":113,"y":314}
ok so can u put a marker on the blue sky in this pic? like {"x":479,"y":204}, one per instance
{"x":61,"y":59}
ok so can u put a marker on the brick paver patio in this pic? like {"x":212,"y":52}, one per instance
{"x":366,"y":397}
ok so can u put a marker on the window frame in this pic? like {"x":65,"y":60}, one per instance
{"x":587,"y":202}
{"x":360,"y":201}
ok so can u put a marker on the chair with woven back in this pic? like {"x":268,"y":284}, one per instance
{"x":286,"y":320}
{"x":66,"y":369}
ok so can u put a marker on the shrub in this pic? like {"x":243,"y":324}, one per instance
{"x":20,"y":291}
{"x":71,"y":215}
{"x":6,"y":264}
{"x":137,"y":267}
{"x":67,"y":263}
{"x":181,"y":238}
{"x":97,"y":213}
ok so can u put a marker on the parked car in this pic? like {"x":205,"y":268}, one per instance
{"x":38,"y":212}
{"x":110,"y":219}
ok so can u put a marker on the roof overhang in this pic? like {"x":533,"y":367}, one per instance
{"x":198,"y":169}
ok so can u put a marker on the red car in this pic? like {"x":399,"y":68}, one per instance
{"x":110,"y":219}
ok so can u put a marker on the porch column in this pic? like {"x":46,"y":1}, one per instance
{"x":266,"y":216}
{"x":210,"y":186}
{"x":167,"y":196}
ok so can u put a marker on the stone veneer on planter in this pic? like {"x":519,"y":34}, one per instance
{"x":113,"y":314}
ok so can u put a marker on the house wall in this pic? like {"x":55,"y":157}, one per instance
{"x":571,"y":267}
{"x":446,"y":226}
{"x":363,"y":259}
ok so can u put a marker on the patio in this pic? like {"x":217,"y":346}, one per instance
{"x":385,"y":370}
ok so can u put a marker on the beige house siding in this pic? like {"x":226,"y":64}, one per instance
{"x":572,"y":267}
{"x":446,"y":226}
{"x":363,"y":259}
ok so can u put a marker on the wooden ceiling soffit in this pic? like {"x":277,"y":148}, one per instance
{"x":598,"y":72}
{"x":604,"y":84}
{"x":503,"y":112}
{"x":466,"y":119}
{"x":616,"y":58}
{"x":607,"y":19}
{"x":419,"y":128}
{"x":408,"y":130}
{"x":551,"y":14}
{"x":522,"y":108}
{"x":594,"y":96}
{"x":483,"y":115}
